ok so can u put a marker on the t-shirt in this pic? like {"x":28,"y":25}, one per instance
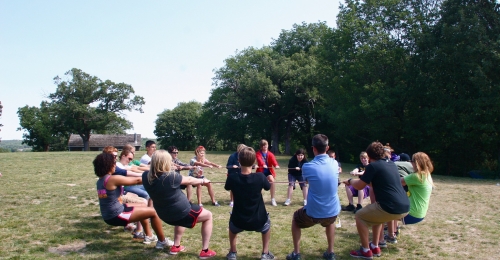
{"x":197,"y":172}
{"x":293,"y":163}
{"x":386,"y":183}
{"x":404,"y":168}
{"x":249,"y":211}
{"x":145,"y":159}
{"x":168,"y":200}
{"x":233,"y":160}
{"x":420,"y":195}
{"x":120,"y":165}
{"x":322,"y":175}
{"x":135,"y":162}
{"x":179,"y":162}
{"x":120,"y":171}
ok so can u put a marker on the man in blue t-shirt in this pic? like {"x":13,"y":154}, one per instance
{"x":323,"y":203}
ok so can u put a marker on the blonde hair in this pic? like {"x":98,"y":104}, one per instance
{"x":424,"y":167}
{"x":240,"y":146}
{"x":363,"y":154}
{"x":161,"y":163}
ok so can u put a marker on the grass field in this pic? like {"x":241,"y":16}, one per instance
{"x":49,"y":209}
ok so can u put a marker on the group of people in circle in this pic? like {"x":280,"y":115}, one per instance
{"x":161,"y":185}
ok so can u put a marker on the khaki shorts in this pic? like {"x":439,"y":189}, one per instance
{"x":304,"y":221}
{"x":373,"y":214}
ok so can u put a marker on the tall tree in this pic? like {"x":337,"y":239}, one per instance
{"x":84,"y":104}
{"x":179,"y":126}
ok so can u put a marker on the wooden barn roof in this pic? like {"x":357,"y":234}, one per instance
{"x":97,"y":140}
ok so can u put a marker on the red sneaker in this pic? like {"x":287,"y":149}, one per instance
{"x":207,"y":255}
{"x":175,"y":250}
{"x":360,"y":254}
{"x":375,"y":250}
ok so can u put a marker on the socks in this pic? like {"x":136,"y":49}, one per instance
{"x":365,"y":249}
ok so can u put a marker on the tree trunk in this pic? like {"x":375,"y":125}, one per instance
{"x":287,"y":136}
{"x":275,"y":139}
{"x":85,"y":138}
{"x":46,"y":148}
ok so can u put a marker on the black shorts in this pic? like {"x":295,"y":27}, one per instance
{"x":123,"y":219}
{"x":190,"y":220}
{"x":265,"y":228}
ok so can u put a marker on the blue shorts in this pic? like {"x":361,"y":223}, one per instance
{"x":408,"y":220}
{"x":190,"y":220}
{"x":123,"y":219}
{"x":292,"y":179}
{"x":267,"y":226}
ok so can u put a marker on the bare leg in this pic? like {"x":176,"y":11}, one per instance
{"x":189,"y":191}
{"x":304,"y":192}
{"x":178,"y":232}
{"x":211,"y":192}
{"x":265,"y":242}
{"x":231,"y":196}
{"x":390,"y":228}
{"x":376,"y":230}
{"x":330,"y":237}
{"x":198,"y":193}
{"x":142,"y":214}
{"x":349,"y":194}
{"x":206,"y":227}
{"x":296,"y":233}
{"x":232,"y":241}
{"x":289,"y":192}
{"x":363,"y":233}
{"x":361,"y":195}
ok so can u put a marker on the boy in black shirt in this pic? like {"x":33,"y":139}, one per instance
{"x":249,"y":212}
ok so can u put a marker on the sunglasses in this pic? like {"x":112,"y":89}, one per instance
{"x":130,"y":159}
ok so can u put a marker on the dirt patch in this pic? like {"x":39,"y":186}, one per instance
{"x":65,"y":249}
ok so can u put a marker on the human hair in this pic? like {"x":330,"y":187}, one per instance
{"x":149,"y":143}
{"x":103,"y":164}
{"x":424,"y":167}
{"x":125,"y":152}
{"x":300,"y":151}
{"x":320,"y":142}
{"x":161,"y":162}
{"x":330,"y":152}
{"x":128,"y":147}
{"x":198,"y":150}
{"x":263,"y":142}
{"x":363,"y":154}
{"x":109,"y":149}
{"x":240,"y":146}
{"x":172,"y":148}
{"x":375,"y":151}
{"x":246,"y":156}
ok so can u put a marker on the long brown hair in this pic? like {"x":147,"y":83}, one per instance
{"x":424,"y":167}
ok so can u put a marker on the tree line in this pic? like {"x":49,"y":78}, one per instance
{"x":421,"y":75}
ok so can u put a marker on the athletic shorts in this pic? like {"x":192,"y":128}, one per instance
{"x":292,"y":179}
{"x":304,"y":221}
{"x":267,"y":226}
{"x":190,"y":220}
{"x":355,"y":192}
{"x":123,"y":219}
{"x":373,"y":214}
{"x":409,"y":219}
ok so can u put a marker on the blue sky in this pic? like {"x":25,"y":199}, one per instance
{"x":167,"y":50}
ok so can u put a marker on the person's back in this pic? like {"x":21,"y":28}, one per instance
{"x":249,"y":211}
{"x":322,"y":175}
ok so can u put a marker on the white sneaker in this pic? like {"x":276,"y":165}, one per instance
{"x":149,"y":240}
{"x":231,"y":204}
{"x":337,"y":223}
{"x":305,"y":202}
{"x":161,"y":245}
{"x":287,"y":202}
{"x":273,"y":202}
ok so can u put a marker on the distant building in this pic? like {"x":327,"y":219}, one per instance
{"x":98,"y":142}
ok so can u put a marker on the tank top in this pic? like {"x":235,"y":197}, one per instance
{"x":110,"y":201}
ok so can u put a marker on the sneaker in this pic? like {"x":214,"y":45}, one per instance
{"x":293,"y":256}
{"x":175,"y":250}
{"x":360,"y":254}
{"x":130,"y":227}
{"x":287,"y":202}
{"x":305,"y":202}
{"x":375,"y":250}
{"x":231,"y":256}
{"x":161,"y":245}
{"x":329,"y":256}
{"x":207,"y":255}
{"x":148,"y":240}
{"x":337,"y":223}
{"x":269,"y":255}
{"x":273,"y":202}
{"x":358,"y":207}
{"x":349,"y":207}
{"x":216,"y":204}
{"x":139,"y":235}
{"x":231,"y":204}
{"x":382,"y":244}
{"x":392,"y":240}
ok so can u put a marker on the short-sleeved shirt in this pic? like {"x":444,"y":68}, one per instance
{"x":193,"y":171}
{"x":386,"y":183}
{"x":249,"y":211}
{"x":322,"y":175}
{"x":420,"y":195}
{"x":179,"y":162}
{"x":145,"y":159}
{"x":404,"y":168}
{"x":233,"y":160}
{"x":168,"y":200}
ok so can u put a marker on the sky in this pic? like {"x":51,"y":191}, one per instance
{"x":167,"y":50}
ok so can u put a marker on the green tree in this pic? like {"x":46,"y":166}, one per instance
{"x":179,"y":126}
{"x":85,"y":105}
{"x":1,"y":108}
{"x":41,"y":133}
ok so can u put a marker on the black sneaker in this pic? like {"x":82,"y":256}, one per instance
{"x":329,"y":256}
{"x":358,"y":207}
{"x":349,"y":207}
